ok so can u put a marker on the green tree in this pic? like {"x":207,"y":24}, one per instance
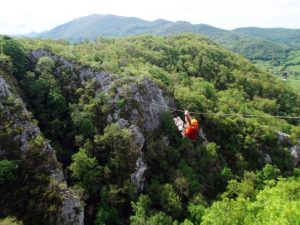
{"x":7,"y":172}
{"x":44,"y":65}
{"x":86,"y":171}
{"x":141,"y":210}
{"x":170,"y":201}
{"x":273,"y":205}
{"x":15,"y":51}
{"x":83,"y":123}
{"x":159,"y":218}
{"x":116,"y":149}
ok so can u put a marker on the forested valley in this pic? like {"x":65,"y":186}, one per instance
{"x":87,"y":135}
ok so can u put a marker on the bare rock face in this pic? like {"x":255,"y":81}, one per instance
{"x":145,"y":102}
{"x":295,"y":152}
{"x":152,"y":102}
{"x":139,"y":138}
{"x":268,"y":158}
{"x":4,"y":88}
{"x":138,"y":177}
{"x":71,"y":211}
{"x":284,"y":138}
{"x":146,"y":93}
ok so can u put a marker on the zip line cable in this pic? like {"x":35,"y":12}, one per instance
{"x":218,"y":114}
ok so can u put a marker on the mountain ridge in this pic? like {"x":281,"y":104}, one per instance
{"x":97,"y":25}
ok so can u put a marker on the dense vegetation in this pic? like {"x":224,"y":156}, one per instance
{"x":227,"y":181}
{"x":93,"y":26}
{"x":278,"y":35}
{"x":273,"y":49}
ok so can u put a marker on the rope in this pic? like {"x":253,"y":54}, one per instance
{"x":219,"y":114}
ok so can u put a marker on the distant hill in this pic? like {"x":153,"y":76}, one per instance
{"x":278,"y":35}
{"x":93,"y":26}
{"x":119,"y":26}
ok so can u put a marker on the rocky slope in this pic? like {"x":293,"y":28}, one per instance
{"x":26,"y":147}
{"x":138,"y":117}
{"x":145,"y":102}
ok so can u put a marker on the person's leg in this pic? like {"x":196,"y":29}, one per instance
{"x":178,"y":122}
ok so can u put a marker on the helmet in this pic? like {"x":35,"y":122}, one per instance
{"x":194,"y":122}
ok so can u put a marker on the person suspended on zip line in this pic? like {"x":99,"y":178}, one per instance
{"x":190,"y":128}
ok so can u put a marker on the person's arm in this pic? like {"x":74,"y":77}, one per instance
{"x":187,"y":118}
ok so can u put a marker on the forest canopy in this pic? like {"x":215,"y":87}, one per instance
{"x":243,"y":175}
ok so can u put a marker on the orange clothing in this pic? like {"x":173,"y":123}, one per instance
{"x":191,"y":131}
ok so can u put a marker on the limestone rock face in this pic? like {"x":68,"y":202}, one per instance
{"x":139,"y":138}
{"x":144,"y":102}
{"x":138,"y":177}
{"x":71,"y":211}
{"x":152,"y":102}
{"x":284,"y":138}
{"x":268,"y":158}
{"x":295,"y":152}
{"x":147,"y":94}
{"x":4,"y":88}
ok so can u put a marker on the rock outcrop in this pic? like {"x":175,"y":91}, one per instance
{"x":147,"y":94}
{"x":284,"y":139}
{"x":144,"y":102}
{"x":138,"y":177}
{"x":4,"y":88}
{"x":18,"y":118}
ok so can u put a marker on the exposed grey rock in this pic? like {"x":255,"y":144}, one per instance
{"x":139,"y":139}
{"x":143,"y":116}
{"x":35,"y":55}
{"x":123,"y":123}
{"x":71,"y":210}
{"x":116,"y":114}
{"x":147,"y":116}
{"x":105,"y":80}
{"x":109,"y":119}
{"x":203,"y":136}
{"x":268,"y":158}
{"x":295,"y":152}
{"x":165,"y":140}
{"x":4,"y":88}
{"x":134,"y":116}
{"x":283,"y":138}
{"x":138,"y":177}
{"x":151,"y":103}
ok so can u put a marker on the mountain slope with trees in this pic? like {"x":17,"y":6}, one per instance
{"x":273,"y":49}
{"x":93,"y":26}
{"x":125,"y":158}
{"x":277,"y":35}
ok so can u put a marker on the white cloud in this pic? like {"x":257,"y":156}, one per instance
{"x":38,"y":15}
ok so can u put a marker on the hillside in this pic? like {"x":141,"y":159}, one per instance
{"x":274,"y":50}
{"x":103,"y":106}
{"x":96,"y":25}
{"x":93,"y":26}
{"x":278,"y":35}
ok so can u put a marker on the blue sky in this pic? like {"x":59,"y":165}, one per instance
{"x":24,"y":16}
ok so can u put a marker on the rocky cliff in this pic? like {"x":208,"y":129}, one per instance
{"x":22,"y":141}
{"x":36,"y":154}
